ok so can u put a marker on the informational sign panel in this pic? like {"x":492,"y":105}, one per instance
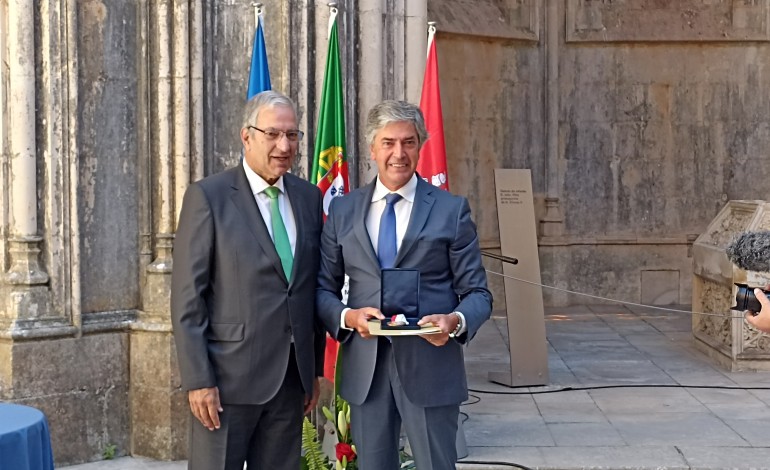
{"x":523,"y":300}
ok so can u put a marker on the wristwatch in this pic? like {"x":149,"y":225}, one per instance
{"x":459,"y":327}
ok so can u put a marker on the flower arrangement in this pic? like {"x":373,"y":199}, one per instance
{"x":344,"y":450}
{"x":338,"y":426}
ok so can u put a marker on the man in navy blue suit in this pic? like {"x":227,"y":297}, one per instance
{"x":398,"y":220}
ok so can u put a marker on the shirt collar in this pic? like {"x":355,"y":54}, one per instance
{"x":406,"y":191}
{"x":257,"y":183}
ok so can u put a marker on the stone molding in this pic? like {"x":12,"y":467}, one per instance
{"x":674,"y":21}
{"x":516,"y":19}
{"x":599,"y":241}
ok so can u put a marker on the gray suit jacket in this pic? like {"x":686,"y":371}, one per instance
{"x":441,"y":242}
{"x":232,"y":309}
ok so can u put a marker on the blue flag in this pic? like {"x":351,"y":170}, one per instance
{"x":259,"y":75}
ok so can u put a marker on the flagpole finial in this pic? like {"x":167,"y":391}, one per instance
{"x":257,"y":11}
{"x":332,"y":16}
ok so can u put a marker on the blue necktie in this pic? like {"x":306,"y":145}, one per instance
{"x":386,"y":240}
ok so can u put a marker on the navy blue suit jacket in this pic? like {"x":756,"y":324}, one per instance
{"x":441,"y":242}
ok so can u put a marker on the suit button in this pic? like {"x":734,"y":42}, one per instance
{"x":287,"y":329}
{"x":289,"y":293}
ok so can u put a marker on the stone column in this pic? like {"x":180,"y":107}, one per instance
{"x":416,"y":45}
{"x":552,"y":224}
{"x":370,"y":80}
{"x":159,"y":410}
{"x":196,"y":90}
{"x":156,"y":300}
{"x":27,"y":296}
{"x":393,"y":43}
{"x":182,"y":121}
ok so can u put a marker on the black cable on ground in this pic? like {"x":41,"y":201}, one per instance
{"x":600,"y":387}
{"x":473,"y":397}
{"x":490,"y":462}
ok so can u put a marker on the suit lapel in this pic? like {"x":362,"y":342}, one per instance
{"x":423,"y":203}
{"x":247,"y":206}
{"x":361,"y":211}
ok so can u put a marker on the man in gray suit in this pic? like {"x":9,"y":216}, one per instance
{"x":246,"y":259}
{"x":400,"y":221}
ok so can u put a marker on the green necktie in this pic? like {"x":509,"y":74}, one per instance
{"x":280,"y":237}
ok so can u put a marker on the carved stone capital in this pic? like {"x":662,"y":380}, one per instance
{"x":157,"y":287}
{"x":25,"y":268}
{"x":163,"y":263}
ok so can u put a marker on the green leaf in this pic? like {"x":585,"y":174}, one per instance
{"x":313,"y":455}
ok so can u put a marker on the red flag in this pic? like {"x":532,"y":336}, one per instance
{"x":432,"y":163}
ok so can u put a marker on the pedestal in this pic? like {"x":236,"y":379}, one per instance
{"x":721,"y":333}
{"x":159,"y":407}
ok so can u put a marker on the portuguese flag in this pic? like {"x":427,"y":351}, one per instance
{"x":330,"y":166}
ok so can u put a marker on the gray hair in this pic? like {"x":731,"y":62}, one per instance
{"x":265,"y":99}
{"x":389,"y":111}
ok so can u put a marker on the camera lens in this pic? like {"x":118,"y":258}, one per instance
{"x":745,"y":299}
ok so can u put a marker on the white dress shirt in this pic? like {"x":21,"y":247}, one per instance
{"x":402,"y":207}
{"x":258,"y":186}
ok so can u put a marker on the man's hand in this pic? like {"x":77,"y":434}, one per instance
{"x":312,"y":401}
{"x":447,"y":322}
{"x":205,"y":406}
{"x":760,"y":320}
{"x":357,"y":319}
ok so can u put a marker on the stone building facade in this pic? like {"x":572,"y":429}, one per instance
{"x":639,"y":120}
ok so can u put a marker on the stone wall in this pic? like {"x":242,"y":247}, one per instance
{"x":638,"y":119}
{"x":661,"y":119}
{"x":109,"y":109}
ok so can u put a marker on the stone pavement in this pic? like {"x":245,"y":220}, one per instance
{"x":616,"y":428}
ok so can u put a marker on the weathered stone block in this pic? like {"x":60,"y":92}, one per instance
{"x":159,"y":408}
{"x":151,"y":356}
{"x":157,"y":296}
{"x":59,"y":366}
{"x":108,"y":188}
{"x":159,"y":418}
{"x":660,"y":287}
{"x":598,"y":267}
{"x":6,"y":369}
{"x":83,"y":423}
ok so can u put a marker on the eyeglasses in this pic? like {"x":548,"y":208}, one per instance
{"x":294,"y":135}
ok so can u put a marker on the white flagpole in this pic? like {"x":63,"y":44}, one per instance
{"x":332,"y":17}
{"x":431,"y":33}
{"x":257,"y":13}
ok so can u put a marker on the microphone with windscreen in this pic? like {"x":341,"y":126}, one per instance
{"x":750,"y":251}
